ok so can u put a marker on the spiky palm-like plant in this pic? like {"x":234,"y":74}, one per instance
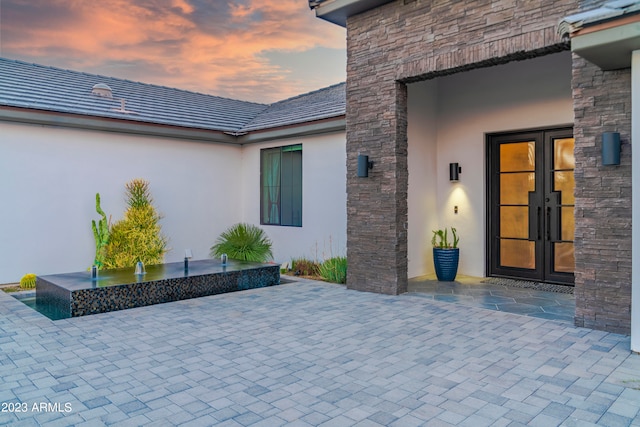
{"x":245,"y":242}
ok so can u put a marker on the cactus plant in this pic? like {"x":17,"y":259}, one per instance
{"x":440,"y":239}
{"x":100,"y":234}
{"x":446,"y":254}
{"x":28,"y":281}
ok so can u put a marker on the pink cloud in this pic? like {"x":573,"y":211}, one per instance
{"x":218,"y":49}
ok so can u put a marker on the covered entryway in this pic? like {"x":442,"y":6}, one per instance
{"x":530,"y":205}
{"x":449,"y":120}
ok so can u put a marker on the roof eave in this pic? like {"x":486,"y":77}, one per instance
{"x":608,"y":45}
{"x":605,"y":35}
{"x":337,"y":11}
{"x":50,"y":118}
{"x":318,"y":127}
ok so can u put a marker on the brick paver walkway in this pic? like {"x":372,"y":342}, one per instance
{"x":309,"y":354}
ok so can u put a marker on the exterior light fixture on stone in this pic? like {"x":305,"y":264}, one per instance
{"x":364,"y":165}
{"x":611,"y":148}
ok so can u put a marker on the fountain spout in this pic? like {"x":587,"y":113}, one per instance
{"x":187,"y":256}
{"x":139,"y":268}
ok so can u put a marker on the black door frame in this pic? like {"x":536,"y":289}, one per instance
{"x":539,"y":217}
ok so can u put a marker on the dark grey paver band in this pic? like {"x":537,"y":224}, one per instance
{"x":311,"y":353}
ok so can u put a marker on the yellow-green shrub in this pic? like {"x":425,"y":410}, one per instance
{"x":138,"y":236}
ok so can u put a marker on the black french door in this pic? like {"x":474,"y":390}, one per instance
{"x":531,"y":201}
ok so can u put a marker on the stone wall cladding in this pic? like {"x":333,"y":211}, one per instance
{"x":402,"y":42}
{"x":602,"y":103}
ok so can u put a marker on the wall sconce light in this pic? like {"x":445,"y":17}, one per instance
{"x":454,"y":172}
{"x":610,"y":148}
{"x":363,"y":166}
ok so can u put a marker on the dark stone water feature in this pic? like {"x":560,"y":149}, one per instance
{"x":78,"y":294}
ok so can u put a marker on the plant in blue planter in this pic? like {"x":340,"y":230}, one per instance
{"x":446,"y":254}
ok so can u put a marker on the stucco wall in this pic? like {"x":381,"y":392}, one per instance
{"x":49,"y":177}
{"x":324,"y":217}
{"x":422,"y":203}
{"x":518,"y":95}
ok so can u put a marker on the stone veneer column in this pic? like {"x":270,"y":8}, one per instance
{"x":602,"y":102}
{"x":635,"y":137}
{"x":377,"y":205}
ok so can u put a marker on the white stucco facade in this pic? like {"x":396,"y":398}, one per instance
{"x":324,"y":198}
{"x":49,"y":177}
{"x":449,"y":118}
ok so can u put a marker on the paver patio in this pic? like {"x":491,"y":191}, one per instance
{"x":311,"y":353}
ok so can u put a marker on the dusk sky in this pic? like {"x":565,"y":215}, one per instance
{"x":253,"y":50}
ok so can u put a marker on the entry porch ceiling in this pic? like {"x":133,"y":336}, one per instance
{"x":337,"y":11}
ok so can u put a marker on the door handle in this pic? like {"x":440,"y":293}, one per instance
{"x":539,"y":223}
{"x":548,"y":225}
{"x":535,"y":217}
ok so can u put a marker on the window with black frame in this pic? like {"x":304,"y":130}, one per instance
{"x":281,"y":186}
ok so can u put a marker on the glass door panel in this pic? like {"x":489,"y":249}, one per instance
{"x":564,"y":261}
{"x":531,"y":229}
{"x":564,"y":182}
{"x":518,"y":156}
{"x":515,"y":187}
{"x":517,"y":254}
{"x":517,"y":161}
{"x":514,"y":222}
{"x":561,"y":260}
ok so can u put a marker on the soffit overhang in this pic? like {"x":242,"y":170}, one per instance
{"x":337,"y":11}
{"x":67,"y":120}
{"x":605,"y":36}
{"x":77,"y":121}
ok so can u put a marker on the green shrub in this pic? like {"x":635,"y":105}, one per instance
{"x":138,"y":236}
{"x":305,"y":267}
{"x":334,"y":270}
{"x":28,"y":281}
{"x":244,"y":242}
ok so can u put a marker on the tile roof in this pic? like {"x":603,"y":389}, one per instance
{"x":39,"y":87}
{"x":317,"y":105}
{"x":609,"y":10}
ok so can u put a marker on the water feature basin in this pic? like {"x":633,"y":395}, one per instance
{"x":78,"y":294}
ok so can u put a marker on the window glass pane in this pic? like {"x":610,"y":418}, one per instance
{"x":517,"y":253}
{"x":567,"y":221}
{"x":517,"y":156}
{"x":563,"y":157}
{"x":514,"y":221}
{"x":515,"y":187}
{"x":292,"y":148}
{"x":281,"y":185}
{"x":564,"y":260}
{"x":565,"y":183}
{"x":270,"y":188}
{"x":291,"y":190}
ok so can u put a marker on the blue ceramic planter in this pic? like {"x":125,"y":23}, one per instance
{"x":446,"y":263}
